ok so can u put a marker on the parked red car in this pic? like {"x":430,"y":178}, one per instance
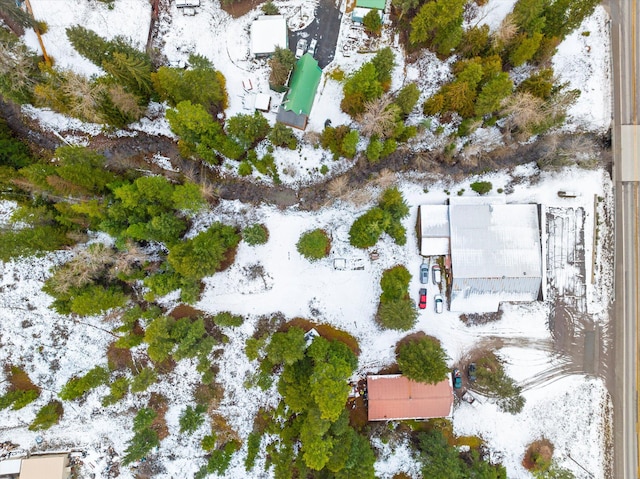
{"x":422,"y":304}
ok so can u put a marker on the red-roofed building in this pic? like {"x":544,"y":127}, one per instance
{"x":394,"y":397}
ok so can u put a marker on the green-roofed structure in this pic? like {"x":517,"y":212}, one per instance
{"x":372,"y":4}
{"x":365,"y":6}
{"x":296,"y":107}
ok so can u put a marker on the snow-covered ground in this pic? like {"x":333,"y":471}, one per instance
{"x":562,"y":411}
{"x":225,"y":41}
{"x":572,"y":412}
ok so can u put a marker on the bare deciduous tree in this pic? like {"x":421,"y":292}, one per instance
{"x":505,"y":32}
{"x":84,"y":95}
{"x":523,"y":110}
{"x":379,"y":117}
{"x":338,"y":186}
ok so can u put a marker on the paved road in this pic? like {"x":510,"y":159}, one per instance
{"x":625,"y":16}
{"x":325,"y":27}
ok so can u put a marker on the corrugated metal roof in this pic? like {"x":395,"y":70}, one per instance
{"x":394,"y":397}
{"x":495,"y":241}
{"x":304,"y":83}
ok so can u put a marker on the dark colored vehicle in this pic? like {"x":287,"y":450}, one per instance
{"x":424,"y":273}
{"x":471,"y":372}
{"x":457,"y":378}
{"x":422,"y":303}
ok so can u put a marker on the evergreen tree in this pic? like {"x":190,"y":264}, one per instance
{"x":255,"y":234}
{"x":372,"y":22}
{"x":529,"y":15}
{"x":407,"y":98}
{"x":145,"y":378}
{"x":492,"y":93}
{"x":359,"y":88}
{"x":383,"y":62}
{"x":282,"y":62}
{"x":158,"y":336}
{"x":47,"y":416}
{"x":524,"y":48}
{"x":191,"y":418}
{"x":439,"y":25}
{"x":201,"y":84}
{"x":140,"y":445}
{"x":564,"y":16}
{"x":202,"y":255}
{"x":247,"y":130}
{"x":133,"y":72}
{"x":282,"y":135}
{"x":423,"y":360}
{"x":88,"y":44}
{"x":287,"y":347}
{"x":78,"y":386}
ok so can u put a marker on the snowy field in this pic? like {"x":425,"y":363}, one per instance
{"x":573,"y":411}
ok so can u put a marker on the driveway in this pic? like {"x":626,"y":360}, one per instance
{"x":325,"y":28}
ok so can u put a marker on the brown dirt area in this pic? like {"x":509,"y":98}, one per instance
{"x":538,"y":453}
{"x":237,"y":9}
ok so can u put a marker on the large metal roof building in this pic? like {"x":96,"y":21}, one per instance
{"x":495,"y":248}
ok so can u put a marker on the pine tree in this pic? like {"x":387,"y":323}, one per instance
{"x":407,"y":98}
{"x":158,"y":336}
{"x":524,"y":48}
{"x":191,"y":418}
{"x":439,"y":25}
{"x":202,"y":255}
{"x":372,"y":22}
{"x":423,"y":360}
{"x":47,"y":416}
{"x":359,"y":88}
{"x":88,"y":44}
{"x":247,"y":130}
{"x":286,"y":347}
{"x":145,"y":378}
{"x":492,"y":93}
{"x":133,"y":72}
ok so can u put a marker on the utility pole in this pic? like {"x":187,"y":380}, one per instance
{"x":47,"y":60}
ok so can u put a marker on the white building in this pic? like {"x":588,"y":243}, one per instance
{"x":495,"y":249}
{"x":267,"y":33}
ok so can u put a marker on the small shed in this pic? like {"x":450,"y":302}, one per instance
{"x":263,"y":102}
{"x":359,"y":13}
{"x":267,"y":33}
{"x":10,"y":468}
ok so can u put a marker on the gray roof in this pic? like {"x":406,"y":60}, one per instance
{"x":495,"y":240}
{"x":434,"y":230}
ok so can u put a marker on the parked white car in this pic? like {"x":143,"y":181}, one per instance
{"x":439,"y":303}
{"x":312,"y":47}
{"x":437,"y":274}
{"x":301,"y":47}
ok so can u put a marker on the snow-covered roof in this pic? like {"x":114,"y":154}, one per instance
{"x":495,"y":240}
{"x":267,"y":33}
{"x":434,"y":230}
{"x":263,"y":102}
